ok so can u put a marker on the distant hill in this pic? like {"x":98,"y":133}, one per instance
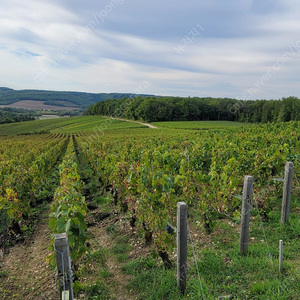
{"x":79,"y":99}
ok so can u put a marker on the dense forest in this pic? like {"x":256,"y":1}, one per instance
{"x":12,"y":115}
{"x":155,"y":109}
{"x":83,"y":100}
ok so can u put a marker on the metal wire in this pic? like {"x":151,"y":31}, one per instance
{"x":70,"y":273}
{"x":195,"y":258}
{"x":168,"y":223}
{"x":263,"y":230}
{"x":63,"y":269}
{"x":297,"y":180}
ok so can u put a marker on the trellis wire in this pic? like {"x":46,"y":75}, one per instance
{"x":63,"y":268}
{"x":194,"y":253}
{"x":63,"y":271}
{"x":263,"y":230}
{"x":195,"y":258}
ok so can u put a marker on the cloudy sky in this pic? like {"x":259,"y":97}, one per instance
{"x":246,"y":49}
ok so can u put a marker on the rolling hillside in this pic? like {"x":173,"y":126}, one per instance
{"x":62,"y":99}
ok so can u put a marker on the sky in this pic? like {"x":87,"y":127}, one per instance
{"x":244,"y":49}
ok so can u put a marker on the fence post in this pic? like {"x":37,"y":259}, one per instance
{"x":182,"y":237}
{"x":245,"y":215}
{"x":64,"y":269}
{"x":280,"y":255}
{"x":287,"y":189}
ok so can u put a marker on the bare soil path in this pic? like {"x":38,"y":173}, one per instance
{"x":25,"y":273}
{"x":146,"y":124}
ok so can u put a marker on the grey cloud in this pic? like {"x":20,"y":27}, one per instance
{"x":25,"y":53}
{"x":241,"y":40}
{"x":26,"y":35}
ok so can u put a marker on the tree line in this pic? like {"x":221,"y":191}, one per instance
{"x":157,"y":109}
{"x":12,"y":115}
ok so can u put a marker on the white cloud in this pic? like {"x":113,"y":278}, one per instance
{"x":241,"y":41}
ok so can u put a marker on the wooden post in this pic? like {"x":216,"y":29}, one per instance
{"x":280,"y":255}
{"x":287,"y":189}
{"x":64,"y":269}
{"x":245,"y":215}
{"x":182,"y":237}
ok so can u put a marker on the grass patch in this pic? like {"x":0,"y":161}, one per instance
{"x":105,"y":274}
{"x":225,"y":272}
{"x":122,"y":257}
{"x":3,"y":274}
{"x":122,"y":239}
{"x":101,"y":200}
{"x":112,"y":230}
{"x":121,"y":248}
{"x":66,"y":125}
{"x":137,"y":265}
{"x":95,"y":291}
{"x":151,"y":280}
{"x":100,"y":255}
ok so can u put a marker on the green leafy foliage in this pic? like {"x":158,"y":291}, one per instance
{"x":69,"y":209}
{"x":149,"y":175}
{"x":25,"y":165}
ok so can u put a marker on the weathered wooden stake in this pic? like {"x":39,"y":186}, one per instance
{"x":182,"y":237}
{"x":64,"y":269}
{"x":245,"y":215}
{"x":280,"y":255}
{"x":287,"y":189}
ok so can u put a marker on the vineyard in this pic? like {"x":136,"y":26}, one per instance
{"x":135,"y":177}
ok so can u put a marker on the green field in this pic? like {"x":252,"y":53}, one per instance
{"x":92,"y":123}
{"x":199,"y":125}
{"x":66,"y":125}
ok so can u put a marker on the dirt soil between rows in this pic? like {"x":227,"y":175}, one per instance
{"x":26,"y":274}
